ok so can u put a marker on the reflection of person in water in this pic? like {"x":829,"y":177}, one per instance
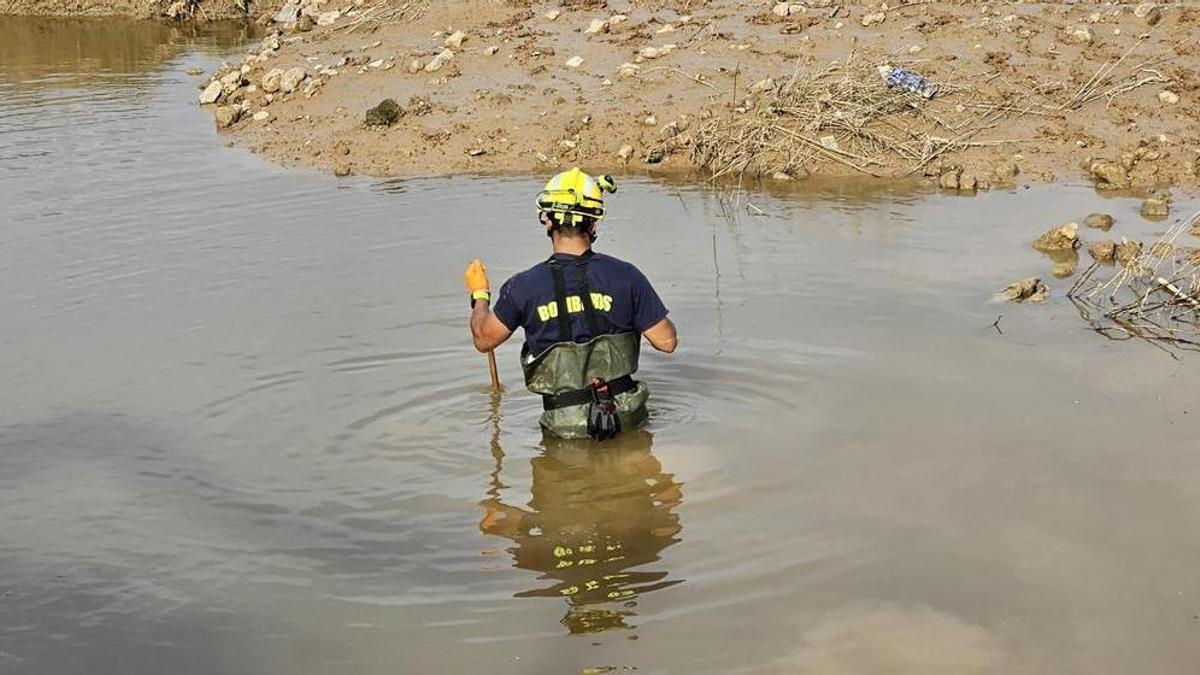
{"x":596,"y":514}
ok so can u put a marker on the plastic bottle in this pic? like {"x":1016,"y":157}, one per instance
{"x":908,"y":81}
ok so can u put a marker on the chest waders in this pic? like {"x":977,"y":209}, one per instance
{"x":581,"y":379}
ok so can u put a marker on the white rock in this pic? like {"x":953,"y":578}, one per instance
{"x":552,"y":14}
{"x":830,"y":142}
{"x":1168,"y":97}
{"x":455,"y":40}
{"x":1143,"y":10}
{"x":874,"y":18}
{"x":491,"y":51}
{"x":328,"y":18}
{"x":617,"y":19}
{"x":625,"y":152}
{"x":685,"y":19}
{"x":655,"y":52}
{"x":596,"y":27}
{"x":650,"y":120}
{"x":780,"y":176}
{"x":762,"y":85}
{"x":781,"y":10}
{"x":915,"y":49}
{"x":1082,"y":35}
{"x":262,"y":116}
{"x":435,"y":64}
{"x":665,"y":29}
{"x":629,"y":69}
{"x":575,"y":62}
{"x":292,"y":79}
{"x":212,"y":92}
{"x":415,"y":66}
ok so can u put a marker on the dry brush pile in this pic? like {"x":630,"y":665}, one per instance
{"x":1154,"y":295}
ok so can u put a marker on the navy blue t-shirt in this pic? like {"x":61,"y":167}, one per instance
{"x":622,"y":296}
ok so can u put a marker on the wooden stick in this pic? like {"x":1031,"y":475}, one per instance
{"x":492,"y":370}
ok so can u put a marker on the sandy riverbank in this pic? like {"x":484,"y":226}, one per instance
{"x":523,"y":88}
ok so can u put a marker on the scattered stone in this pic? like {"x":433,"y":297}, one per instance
{"x":291,"y":79}
{"x":656,"y":156}
{"x":341,"y":170}
{"x":968,"y":182}
{"x":435,"y":64}
{"x":194,"y":71}
{"x":874,"y":18}
{"x":575,"y":62}
{"x":262,"y":116}
{"x":1109,"y":175}
{"x":288,"y":13}
{"x":780,"y":176}
{"x":669,"y":28}
{"x":226,"y":115}
{"x":1168,"y":97}
{"x":1156,"y":208}
{"x":1104,"y":251}
{"x":1065,"y":238}
{"x":629,"y":69}
{"x":492,"y":50}
{"x":476,"y":152}
{"x":384,"y":115}
{"x":782,"y":10}
{"x":625,"y":153}
{"x":1006,"y":172}
{"x":617,"y":19}
{"x":1099,"y":221}
{"x":1148,"y":12}
{"x":949,"y":178}
{"x":328,"y":18}
{"x":415,"y":66}
{"x":1128,"y":251}
{"x":305,"y":23}
{"x":552,"y":14}
{"x":455,"y":40}
{"x":655,"y":52}
{"x":1081,"y":35}
{"x":766,"y":84}
{"x":212,"y":93}
{"x":1031,"y":289}
{"x":596,"y":27}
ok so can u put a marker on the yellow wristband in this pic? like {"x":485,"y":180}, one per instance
{"x":481,"y":295}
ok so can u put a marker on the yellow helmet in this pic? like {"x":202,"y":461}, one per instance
{"x":572,"y":196}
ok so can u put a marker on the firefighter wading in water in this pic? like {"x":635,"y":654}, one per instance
{"x":584,"y":314}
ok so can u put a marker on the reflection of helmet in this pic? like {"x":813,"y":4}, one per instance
{"x":572,"y":196}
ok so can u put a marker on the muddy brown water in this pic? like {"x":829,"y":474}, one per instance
{"x":242,"y":429}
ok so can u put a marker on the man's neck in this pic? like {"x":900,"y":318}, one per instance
{"x":572,"y":245}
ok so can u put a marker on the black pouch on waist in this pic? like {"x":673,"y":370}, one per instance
{"x":603,"y":422}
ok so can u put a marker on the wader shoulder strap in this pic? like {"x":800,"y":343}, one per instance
{"x":585,"y":297}
{"x":560,"y":297}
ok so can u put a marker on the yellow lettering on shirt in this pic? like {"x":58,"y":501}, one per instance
{"x":600,"y":301}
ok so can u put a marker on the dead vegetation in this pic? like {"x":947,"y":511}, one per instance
{"x":847,"y":113}
{"x":386,"y":12}
{"x":1153,"y":295}
{"x":844,"y":113}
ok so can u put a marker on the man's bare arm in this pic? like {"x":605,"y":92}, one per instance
{"x":662,"y":336}
{"x":486,"y":330}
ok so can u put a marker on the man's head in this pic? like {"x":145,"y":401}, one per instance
{"x":573,"y":203}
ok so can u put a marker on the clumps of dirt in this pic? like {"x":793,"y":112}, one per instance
{"x":1031,"y":289}
{"x":1065,"y":238}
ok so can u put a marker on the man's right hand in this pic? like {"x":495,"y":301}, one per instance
{"x":476,"y":280}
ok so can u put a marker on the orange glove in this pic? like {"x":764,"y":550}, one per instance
{"x":477,"y":281}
